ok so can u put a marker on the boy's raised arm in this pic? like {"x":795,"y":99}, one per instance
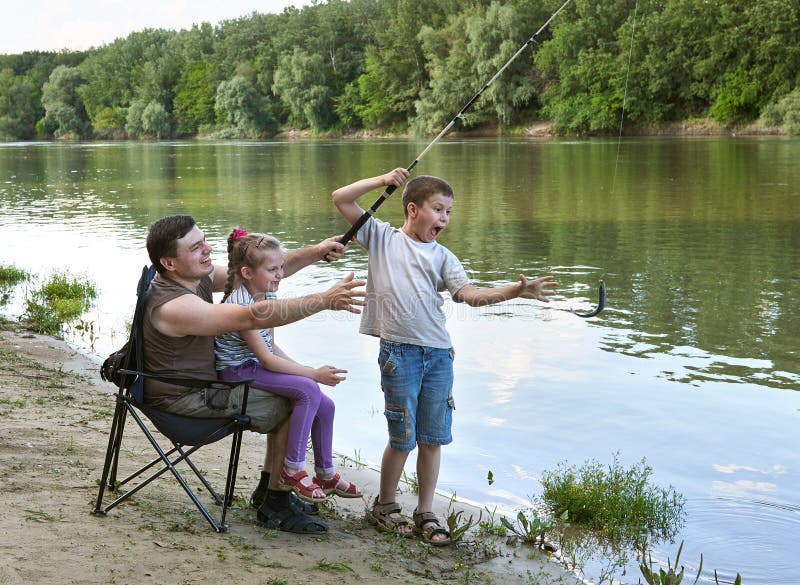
{"x":344,"y":198}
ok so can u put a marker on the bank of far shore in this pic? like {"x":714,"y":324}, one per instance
{"x":545,"y":129}
{"x":56,"y":413}
{"x":696,"y":127}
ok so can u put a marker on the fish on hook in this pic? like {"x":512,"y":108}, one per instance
{"x":601,"y":302}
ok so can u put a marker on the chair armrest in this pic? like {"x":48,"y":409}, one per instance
{"x":187,"y":382}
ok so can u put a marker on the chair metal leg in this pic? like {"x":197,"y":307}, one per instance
{"x":169,"y":465}
{"x":168,"y":460}
{"x":112,"y":478}
{"x":209,"y":488}
{"x":233,"y":465}
{"x":112,"y":452}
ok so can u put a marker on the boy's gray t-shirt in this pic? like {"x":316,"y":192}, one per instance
{"x":404,"y":280}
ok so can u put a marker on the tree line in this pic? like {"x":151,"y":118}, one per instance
{"x":403,"y":66}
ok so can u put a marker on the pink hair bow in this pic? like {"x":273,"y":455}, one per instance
{"x":237,"y":233}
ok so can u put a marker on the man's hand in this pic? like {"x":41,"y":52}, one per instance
{"x":330,"y":249}
{"x":536,"y":289}
{"x":345,"y":295}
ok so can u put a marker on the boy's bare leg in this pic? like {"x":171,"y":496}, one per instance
{"x":392,"y":464}
{"x":428,"y":462}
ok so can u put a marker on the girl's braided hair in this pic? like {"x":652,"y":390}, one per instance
{"x":245,"y":250}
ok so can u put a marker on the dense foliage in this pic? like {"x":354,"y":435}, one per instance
{"x":399,"y":65}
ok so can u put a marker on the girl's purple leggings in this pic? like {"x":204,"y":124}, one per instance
{"x":312,"y":413}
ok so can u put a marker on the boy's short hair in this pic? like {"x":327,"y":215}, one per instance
{"x":419,"y":189}
{"x":163,"y":236}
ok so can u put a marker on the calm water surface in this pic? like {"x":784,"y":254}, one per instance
{"x":693,"y":365}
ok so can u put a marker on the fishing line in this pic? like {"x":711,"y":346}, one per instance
{"x":624,"y":97}
{"x":461,"y":115}
{"x":601,"y":291}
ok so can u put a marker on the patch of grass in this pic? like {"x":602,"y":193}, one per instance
{"x":40,"y":516}
{"x":86,"y":329}
{"x":467,"y":575}
{"x":356,"y":460}
{"x":411,"y":481}
{"x":456,"y":524}
{"x":272,"y":565}
{"x":102,"y":412}
{"x":40,"y":317}
{"x":325,"y":565}
{"x":658,"y":576}
{"x":400,"y":546}
{"x":620,"y":502}
{"x":11,"y":275}
{"x":62,"y":285}
{"x":329,"y":506}
{"x":379,"y":568}
{"x":491,"y":527}
{"x":533,"y":529}
{"x":61,"y":299}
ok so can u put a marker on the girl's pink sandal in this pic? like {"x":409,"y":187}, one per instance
{"x":294,"y":483}
{"x":338,"y":486}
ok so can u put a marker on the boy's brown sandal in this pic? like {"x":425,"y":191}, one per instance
{"x":427,"y":526}
{"x":381,"y":517}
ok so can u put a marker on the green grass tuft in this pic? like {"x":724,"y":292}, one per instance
{"x":11,"y":275}
{"x":620,"y":502}
{"x":61,"y":299}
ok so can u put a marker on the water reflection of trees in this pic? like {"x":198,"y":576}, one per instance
{"x":695,"y":239}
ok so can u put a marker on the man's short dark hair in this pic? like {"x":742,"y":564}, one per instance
{"x":419,"y":189}
{"x":163,"y":236}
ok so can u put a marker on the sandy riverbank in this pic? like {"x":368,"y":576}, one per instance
{"x":55,"y":414}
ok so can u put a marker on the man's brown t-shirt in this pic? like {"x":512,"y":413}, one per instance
{"x":189,"y":356}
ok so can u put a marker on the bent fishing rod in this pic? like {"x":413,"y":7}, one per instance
{"x":391,"y":188}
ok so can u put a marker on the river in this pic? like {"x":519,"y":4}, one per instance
{"x":693,"y":365}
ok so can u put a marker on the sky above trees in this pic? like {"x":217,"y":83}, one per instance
{"x":44,"y":25}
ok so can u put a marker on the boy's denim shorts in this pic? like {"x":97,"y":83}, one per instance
{"x":417,"y":384}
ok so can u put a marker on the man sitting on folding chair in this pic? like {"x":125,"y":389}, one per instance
{"x":180,"y":322}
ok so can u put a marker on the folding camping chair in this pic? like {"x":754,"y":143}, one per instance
{"x":186,"y":434}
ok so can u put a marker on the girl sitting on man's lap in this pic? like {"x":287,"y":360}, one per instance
{"x":255,"y":269}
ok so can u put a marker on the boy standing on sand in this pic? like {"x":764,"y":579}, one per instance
{"x":407,"y":272}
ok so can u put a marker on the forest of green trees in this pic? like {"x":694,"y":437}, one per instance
{"x":399,"y":66}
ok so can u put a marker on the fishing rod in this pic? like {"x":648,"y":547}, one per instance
{"x":391,"y":188}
